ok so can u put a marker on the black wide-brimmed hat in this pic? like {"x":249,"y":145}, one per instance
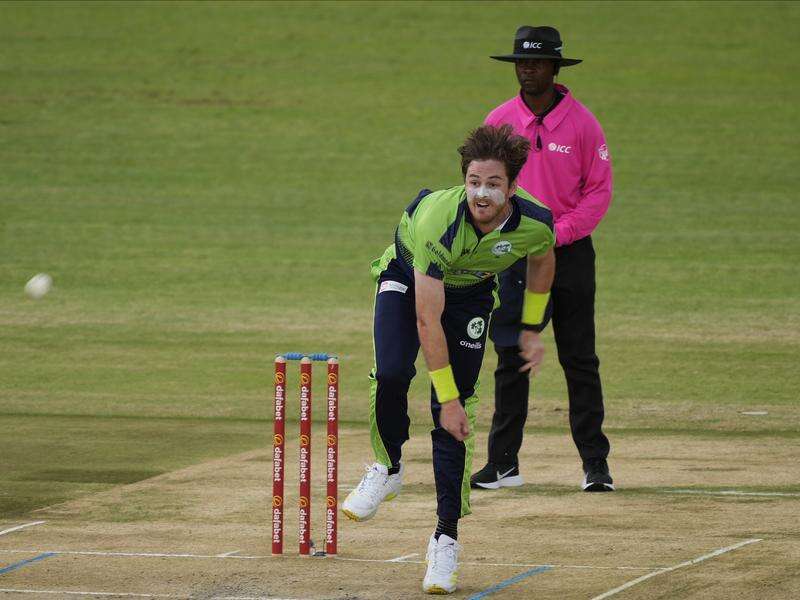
{"x":538,"y":42}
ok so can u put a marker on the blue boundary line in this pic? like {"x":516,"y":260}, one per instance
{"x":27,"y":561}
{"x":504,"y":584}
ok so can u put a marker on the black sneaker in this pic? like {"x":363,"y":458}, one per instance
{"x":494,"y":476}
{"x":596,"y":476}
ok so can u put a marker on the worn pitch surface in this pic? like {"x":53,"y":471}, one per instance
{"x":204,"y":531}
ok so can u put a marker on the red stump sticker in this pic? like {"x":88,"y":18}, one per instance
{"x":332,"y":455}
{"x":305,"y":457}
{"x":278,"y":451}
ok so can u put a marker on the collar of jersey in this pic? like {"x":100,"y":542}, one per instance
{"x":551,"y":119}
{"x":516,"y":215}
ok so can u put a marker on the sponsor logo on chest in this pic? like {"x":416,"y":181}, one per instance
{"x":559,"y":148}
{"x":501,"y":247}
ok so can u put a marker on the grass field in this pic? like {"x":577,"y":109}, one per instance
{"x":207,"y":183}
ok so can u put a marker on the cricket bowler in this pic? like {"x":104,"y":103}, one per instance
{"x":436,"y":289}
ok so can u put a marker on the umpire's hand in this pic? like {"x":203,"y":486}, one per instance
{"x":531,"y":351}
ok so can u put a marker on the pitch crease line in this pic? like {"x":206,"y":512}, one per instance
{"x":73,"y":593}
{"x":732,"y":493}
{"x":136,"y":554}
{"x":23,"y":526}
{"x":131,"y":594}
{"x":687,"y":563}
{"x":492,"y":564}
{"x":399,"y":559}
{"x":403,"y":558}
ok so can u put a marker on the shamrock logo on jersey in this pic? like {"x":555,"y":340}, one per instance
{"x":475,"y":328}
{"x":502,"y":247}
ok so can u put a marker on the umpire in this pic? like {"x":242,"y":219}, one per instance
{"x":568,"y":169}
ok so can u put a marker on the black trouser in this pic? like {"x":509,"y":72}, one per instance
{"x":572,"y":298}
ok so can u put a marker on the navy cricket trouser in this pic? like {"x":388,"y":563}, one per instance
{"x":465,"y":321}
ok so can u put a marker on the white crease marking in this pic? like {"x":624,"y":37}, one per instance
{"x":402,"y":558}
{"x":489,"y":564}
{"x":72,"y":593}
{"x":23,"y":526}
{"x":132,"y":594}
{"x":399,"y":559}
{"x":688,"y":563}
{"x":731,"y":493}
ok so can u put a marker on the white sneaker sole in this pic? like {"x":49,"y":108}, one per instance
{"x":361,"y":518}
{"x":513,"y":481}
{"x":597,"y":487}
{"x":438,"y":590}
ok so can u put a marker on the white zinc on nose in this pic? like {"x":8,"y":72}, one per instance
{"x":495,"y":195}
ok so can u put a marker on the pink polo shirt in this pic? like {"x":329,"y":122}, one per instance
{"x":571,"y":173}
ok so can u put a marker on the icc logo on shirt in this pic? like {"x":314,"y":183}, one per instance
{"x":553,"y":147}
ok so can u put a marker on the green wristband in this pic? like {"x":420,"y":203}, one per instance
{"x":534,"y":306}
{"x":445,"y":384}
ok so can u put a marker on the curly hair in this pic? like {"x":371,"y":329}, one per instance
{"x":495,"y":143}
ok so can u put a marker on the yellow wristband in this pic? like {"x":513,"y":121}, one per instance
{"x":534,"y":306}
{"x":445,"y":384}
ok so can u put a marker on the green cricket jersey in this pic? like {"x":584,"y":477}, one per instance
{"x":436,"y":236}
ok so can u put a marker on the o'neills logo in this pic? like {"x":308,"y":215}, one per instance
{"x":304,"y":440}
{"x":331,"y":440}
{"x":330,"y":501}
{"x":279,"y":379}
{"x":305,"y":378}
{"x":277,"y":439}
{"x":303,"y":502}
{"x":277,"y":501}
{"x":332,"y":378}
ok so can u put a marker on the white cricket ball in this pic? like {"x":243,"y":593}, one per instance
{"x":38,"y":285}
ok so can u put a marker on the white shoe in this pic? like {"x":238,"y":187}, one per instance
{"x":442,"y":559}
{"x":376,"y":486}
